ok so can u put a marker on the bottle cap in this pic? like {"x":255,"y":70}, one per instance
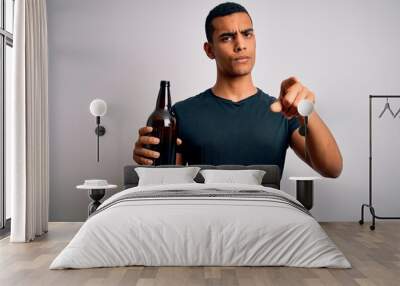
{"x":164,"y":83}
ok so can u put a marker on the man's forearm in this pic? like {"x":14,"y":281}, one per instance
{"x":323,"y":152}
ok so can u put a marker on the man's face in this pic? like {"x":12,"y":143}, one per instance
{"x":234,"y":44}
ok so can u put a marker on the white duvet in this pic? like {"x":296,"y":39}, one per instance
{"x":200,"y":231}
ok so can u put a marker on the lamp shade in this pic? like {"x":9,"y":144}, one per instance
{"x":305,"y":107}
{"x":98,"y":107}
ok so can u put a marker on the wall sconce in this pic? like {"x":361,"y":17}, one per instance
{"x":305,"y":108}
{"x":98,"y":108}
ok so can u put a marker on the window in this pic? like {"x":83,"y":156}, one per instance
{"x":6,"y":60}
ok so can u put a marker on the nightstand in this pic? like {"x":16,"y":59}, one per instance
{"x":305,"y":190}
{"x":96,"y":190}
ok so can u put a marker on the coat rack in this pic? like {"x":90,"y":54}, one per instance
{"x":371,"y":208}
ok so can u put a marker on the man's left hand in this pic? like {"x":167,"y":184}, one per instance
{"x":292,"y":92}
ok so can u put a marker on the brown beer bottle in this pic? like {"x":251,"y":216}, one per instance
{"x":164,"y":127}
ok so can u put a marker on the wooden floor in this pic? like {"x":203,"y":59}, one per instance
{"x":374,"y":255}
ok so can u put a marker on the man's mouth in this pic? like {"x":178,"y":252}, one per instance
{"x":241,"y":59}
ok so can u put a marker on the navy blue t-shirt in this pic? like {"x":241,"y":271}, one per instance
{"x":217,"y":131}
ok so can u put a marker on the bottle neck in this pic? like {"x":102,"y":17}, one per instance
{"x":164,"y":97}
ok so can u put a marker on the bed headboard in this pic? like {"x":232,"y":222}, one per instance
{"x":272,"y":177}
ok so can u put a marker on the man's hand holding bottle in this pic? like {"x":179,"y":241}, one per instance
{"x":143,"y":155}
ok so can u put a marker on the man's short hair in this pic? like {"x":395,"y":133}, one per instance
{"x":221,"y":10}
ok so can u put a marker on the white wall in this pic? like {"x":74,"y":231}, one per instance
{"x":120,"y":50}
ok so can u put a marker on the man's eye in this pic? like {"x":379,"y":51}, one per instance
{"x":225,"y":39}
{"x":248,"y":35}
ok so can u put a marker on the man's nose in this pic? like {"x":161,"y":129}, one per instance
{"x":240,"y":44}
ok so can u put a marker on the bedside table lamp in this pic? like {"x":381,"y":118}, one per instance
{"x":98,"y":108}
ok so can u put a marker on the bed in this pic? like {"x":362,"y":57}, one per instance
{"x":201,"y":224}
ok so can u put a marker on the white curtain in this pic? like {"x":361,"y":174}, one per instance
{"x":28,"y":123}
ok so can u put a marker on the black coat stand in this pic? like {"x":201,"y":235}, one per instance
{"x":371,"y":208}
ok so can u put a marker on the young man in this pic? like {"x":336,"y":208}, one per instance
{"x":234,"y":122}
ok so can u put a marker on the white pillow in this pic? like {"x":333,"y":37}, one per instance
{"x":162,"y":176}
{"x":250,"y":177}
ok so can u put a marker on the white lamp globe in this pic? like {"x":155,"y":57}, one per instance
{"x":305,"y":107}
{"x":98,"y":107}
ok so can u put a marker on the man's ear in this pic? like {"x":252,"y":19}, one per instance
{"x":209,"y":50}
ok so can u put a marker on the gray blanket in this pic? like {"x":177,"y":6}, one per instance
{"x":205,"y":194}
